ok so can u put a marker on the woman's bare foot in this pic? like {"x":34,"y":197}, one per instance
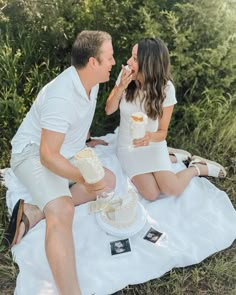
{"x":206,"y":167}
{"x":201,"y":169}
{"x":173,"y":158}
{"x":178,"y":155}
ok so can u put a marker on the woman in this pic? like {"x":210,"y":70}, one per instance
{"x":146,"y":86}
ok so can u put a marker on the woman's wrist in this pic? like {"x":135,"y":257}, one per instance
{"x":149,"y":134}
{"x":156,"y":136}
{"x":119,"y":91}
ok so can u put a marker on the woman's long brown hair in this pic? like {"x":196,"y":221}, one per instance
{"x":154,"y":65}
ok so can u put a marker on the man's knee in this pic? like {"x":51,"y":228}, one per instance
{"x":60,"y":209}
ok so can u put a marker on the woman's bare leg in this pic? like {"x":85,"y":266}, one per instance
{"x":147,"y":186}
{"x":174,"y":184}
{"x":150,"y":185}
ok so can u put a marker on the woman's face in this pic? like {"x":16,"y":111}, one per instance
{"x":133,"y":64}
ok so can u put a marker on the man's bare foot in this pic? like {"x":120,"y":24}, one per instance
{"x":24,"y":216}
{"x":34,"y":215}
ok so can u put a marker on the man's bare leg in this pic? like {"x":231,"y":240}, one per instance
{"x":59,"y":245}
{"x":59,"y":242}
{"x":80,"y":195}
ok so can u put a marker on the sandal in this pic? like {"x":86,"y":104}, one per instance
{"x":18,"y":216}
{"x":180,"y":155}
{"x":214,"y":168}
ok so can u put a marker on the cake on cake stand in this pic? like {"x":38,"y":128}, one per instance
{"x":122,"y":217}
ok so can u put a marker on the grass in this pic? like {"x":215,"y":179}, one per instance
{"x":213,"y":276}
{"x":8,"y":269}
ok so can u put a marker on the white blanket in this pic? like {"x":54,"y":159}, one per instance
{"x":197,"y":224}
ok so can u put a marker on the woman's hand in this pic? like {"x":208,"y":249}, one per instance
{"x":115,"y":96}
{"x":125,"y":79}
{"x":144,"y":141}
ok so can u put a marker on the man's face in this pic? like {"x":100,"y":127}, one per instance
{"x":106,"y":62}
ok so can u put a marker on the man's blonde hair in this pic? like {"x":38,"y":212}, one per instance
{"x":86,"y":45}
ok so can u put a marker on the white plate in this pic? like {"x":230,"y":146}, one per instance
{"x":128,"y":231}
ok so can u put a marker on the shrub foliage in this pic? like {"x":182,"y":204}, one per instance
{"x":36,"y":37}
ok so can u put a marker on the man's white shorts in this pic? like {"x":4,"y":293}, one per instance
{"x":42,"y":184}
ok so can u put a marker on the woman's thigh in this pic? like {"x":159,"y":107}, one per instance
{"x":147,"y":186}
{"x":168,"y":183}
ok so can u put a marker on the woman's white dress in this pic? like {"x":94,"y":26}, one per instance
{"x":151,"y":158}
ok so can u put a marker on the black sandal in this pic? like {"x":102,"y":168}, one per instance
{"x":18,"y":216}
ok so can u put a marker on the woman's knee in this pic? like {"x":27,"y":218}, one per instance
{"x":171,"y":190}
{"x":150,"y":195}
{"x":147,"y":186}
{"x":168,"y":183}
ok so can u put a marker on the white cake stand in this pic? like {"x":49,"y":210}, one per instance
{"x":128,"y":231}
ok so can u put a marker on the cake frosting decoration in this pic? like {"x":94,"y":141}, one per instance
{"x":121,"y":212}
{"x":89,"y":165}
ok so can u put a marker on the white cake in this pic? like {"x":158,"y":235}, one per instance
{"x":122,"y":212}
{"x":89,"y":165}
{"x":138,"y":123}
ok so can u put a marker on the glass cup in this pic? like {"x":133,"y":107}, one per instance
{"x":138,"y":122}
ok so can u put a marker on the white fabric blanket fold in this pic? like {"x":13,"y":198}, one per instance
{"x":197,"y":224}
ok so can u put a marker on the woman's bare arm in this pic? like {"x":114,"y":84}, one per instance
{"x":114,"y":98}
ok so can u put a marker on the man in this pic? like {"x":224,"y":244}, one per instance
{"x":54,"y":129}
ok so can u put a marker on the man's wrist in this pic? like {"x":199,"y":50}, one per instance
{"x":88,"y":140}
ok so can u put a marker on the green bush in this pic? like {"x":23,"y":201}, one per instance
{"x":37,"y":37}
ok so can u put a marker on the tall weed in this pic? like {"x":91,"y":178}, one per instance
{"x":207,"y":127}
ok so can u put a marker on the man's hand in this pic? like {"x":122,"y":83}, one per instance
{"x":94,"y":142}
{"x":95,"y":188}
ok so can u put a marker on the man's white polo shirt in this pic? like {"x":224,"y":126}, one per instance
{"x":62,"y":106}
